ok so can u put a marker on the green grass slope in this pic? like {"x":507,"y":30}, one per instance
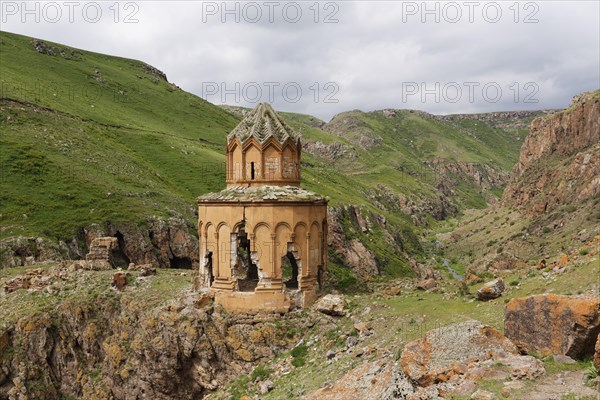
{"x":76,"y":151}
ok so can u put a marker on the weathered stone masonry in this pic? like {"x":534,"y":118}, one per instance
{"x":263,"y":240}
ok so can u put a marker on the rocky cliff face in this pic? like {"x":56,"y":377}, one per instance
{"x":352,"y":251}
{"x":355,"y":233}
{"x":162,"y":243}
{"x":117,"y":348}
{"x":419,"y":209}
{"x":559,"y":162}
{"x":454,"y":173}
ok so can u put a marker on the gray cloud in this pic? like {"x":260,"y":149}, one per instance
{"x":373,"y":54}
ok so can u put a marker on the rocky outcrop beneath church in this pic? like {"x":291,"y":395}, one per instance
{"x":559,"y":162}
{"x":117,"y":348}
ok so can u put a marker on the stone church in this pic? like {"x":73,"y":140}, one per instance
{"x":263,"y":240}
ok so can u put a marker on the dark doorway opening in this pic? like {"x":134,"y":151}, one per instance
{"x":118,"y":256}
{"x":320,"y":276}
{"x":247,"y":270}
{"x":252,"y":170}
{"x":209,"y":268}
{"x":289,"y":268}
{"x":181,"y":263}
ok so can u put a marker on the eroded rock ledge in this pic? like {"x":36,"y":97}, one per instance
{"x":112,"y":347}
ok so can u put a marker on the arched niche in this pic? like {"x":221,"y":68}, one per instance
{"x":209,"y":254}
{"x":253,"y":161}
{"x":272,"y":162}
{"x":289,"y":161}
{"x":234,"y":162}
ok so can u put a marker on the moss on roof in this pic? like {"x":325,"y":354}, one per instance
{"x":262,"y":194}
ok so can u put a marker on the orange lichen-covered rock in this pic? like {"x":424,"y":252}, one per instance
{"x":472,"y":278}
{"x":553,"y":324}
{"x":563,"y":260}
{"x":441,"y":352}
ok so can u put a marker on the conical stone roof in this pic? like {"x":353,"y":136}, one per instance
{"x":262,"y":123}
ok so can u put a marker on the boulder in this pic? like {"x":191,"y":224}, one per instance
{"x":96,"y":265}
{"x":120,"y":280}
{"x":553,"y":324}
{"x":376,"y":380}
{"x":522,"y":367}
{"x":331,"y":304}
{"x":444,"y":352}
{"x":491,"y":290}
{"x":597,"y":354}
{"x":562,"y":359}
{"x":427,"y":284}
{"x":482,"y":395}
{"x":266,"y":387}
{"x":147,"y":270}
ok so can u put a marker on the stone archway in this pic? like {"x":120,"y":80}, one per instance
{"x":245,"y":269}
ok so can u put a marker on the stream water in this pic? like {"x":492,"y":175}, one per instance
{"x":453,"y":272}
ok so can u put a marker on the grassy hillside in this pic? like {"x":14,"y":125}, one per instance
{"x":76,"y":151}
{"x":88,"y":138}
{"x":404,"y":140}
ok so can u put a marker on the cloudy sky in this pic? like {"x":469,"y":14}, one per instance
{"x":326,"y":57}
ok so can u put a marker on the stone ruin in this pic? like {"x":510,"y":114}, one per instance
{"x":101,"y":255}
{"x":262,"y":240}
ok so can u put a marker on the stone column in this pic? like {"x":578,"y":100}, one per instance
{"x":307,"y":261}
{"x":276,"y":282}
{"x":221,"y":282}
